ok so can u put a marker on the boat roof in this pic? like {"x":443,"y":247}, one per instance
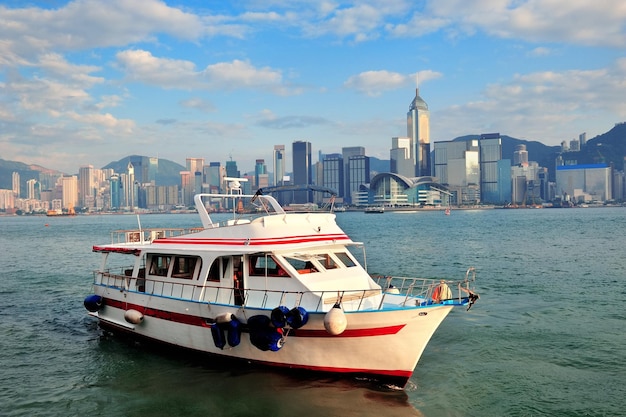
{"x":266,"y":228}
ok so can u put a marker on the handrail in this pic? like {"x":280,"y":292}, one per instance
{"x":395,"y":292}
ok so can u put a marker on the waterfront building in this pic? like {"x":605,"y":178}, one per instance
{"x":214,"y":175}
{"x":69,"y":190}
{"x":194,"y":165}
{"x":332,"y":173}
{"x":86,"y":186}
{"x":261,"y":177}
{"x":520,"y":156}
{"x":456,"y":166}
{"x":353,"y":175}
{"x":130,"y":192}
{"x":400,"y":158}
{"x":186,"y":188}
{"x":495,"y":172}
{"x":301,"y":151}
{"x":140,"y":169}
{"x":619,"y":186}
{"x":358,"y":174}
{"x":33,"y":189}
{"x":7,"y":199}
{"x":279,"y":165}
{"x":584,"y":183}
{"x":15,"y":181}
{"x":197,"y":184}
{"x":390,"y":189}
{"x":546,"y":188}
{"x":115,"y":191}
{"x":418,"y":130}
{"x":231,"y":169}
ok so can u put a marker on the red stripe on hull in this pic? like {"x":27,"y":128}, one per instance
{"x":253,"y":241}
{"x":202,"y":322}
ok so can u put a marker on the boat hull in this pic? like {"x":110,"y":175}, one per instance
{"x":384,"y":345}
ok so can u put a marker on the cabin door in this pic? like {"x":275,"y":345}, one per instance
{"x":232,"y":278}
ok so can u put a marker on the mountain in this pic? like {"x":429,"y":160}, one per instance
{"x":607,"y":148}
{"x":26,"y":171}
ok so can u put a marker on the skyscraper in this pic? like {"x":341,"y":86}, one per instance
{"x":349,"y":176}
{"x":358,"y":174}
{"x":302,"y":169}
{"x":195,"y":165}
{"x":279,"y":164}
{"x":231,"y":169}
{"x":16,"y":184}
{"x":115,"y":188}
{"x":129,"y":189}
{"x":69,"y":190}
{"x":261,"y":178}
{"x":86,"y":186}
{"x":400,"y":157}
{"x":520,"y":156}
{"x":456,"y":166}
{"x":418,"y":130}
{"x":332,"y":173}
{"x":495,"y":172}
{"x":214,"y":177}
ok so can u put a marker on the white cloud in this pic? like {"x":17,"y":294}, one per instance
{"x":540,"y":51}
{"x":84,"y":24}
{"x":142,"y":66}
{"x":198,"y":104}
{"x":375,"y":83}
{"x":548,"y":106}
{"x":599,"y":23}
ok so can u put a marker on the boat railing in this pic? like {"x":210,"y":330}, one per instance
{"x":150,"y":234}
{"x":425,"y":288}
{"x":395,"y":292}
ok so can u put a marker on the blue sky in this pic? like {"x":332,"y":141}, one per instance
{"x":89,"y":82}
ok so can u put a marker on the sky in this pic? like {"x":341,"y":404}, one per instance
{"x":87,"y":82}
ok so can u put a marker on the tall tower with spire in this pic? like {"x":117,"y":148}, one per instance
{"x":418,"y":130}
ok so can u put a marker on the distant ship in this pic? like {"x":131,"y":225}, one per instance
{"x":53,"y":213}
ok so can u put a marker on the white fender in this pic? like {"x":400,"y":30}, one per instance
{"x":224,"y":318}
{"x":392,"y":290}
{"x":335,"y":321}
{"x":133,"y":316}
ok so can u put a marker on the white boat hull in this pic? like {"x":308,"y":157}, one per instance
{"x":384,"y":344}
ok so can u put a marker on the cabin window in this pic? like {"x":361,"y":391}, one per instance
{"x":218,"y":268}
{"x":214,"y":271}
{"x":184,"y":266}
{"x":345,"y":259}
{"x":159,"y":265}
{"x":266,"y":264}
{"x":328,"y":262}
{"x":302,"y":265}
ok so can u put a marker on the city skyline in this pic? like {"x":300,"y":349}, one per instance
{"x":84,"y":79}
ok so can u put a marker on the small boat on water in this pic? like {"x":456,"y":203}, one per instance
{"x":374,"y":209}
{"x":269,"y":287}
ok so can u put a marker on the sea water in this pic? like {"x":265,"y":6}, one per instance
{"x":546,"y":337}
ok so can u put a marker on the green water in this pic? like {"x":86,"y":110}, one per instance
{"x":545,"y":339}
